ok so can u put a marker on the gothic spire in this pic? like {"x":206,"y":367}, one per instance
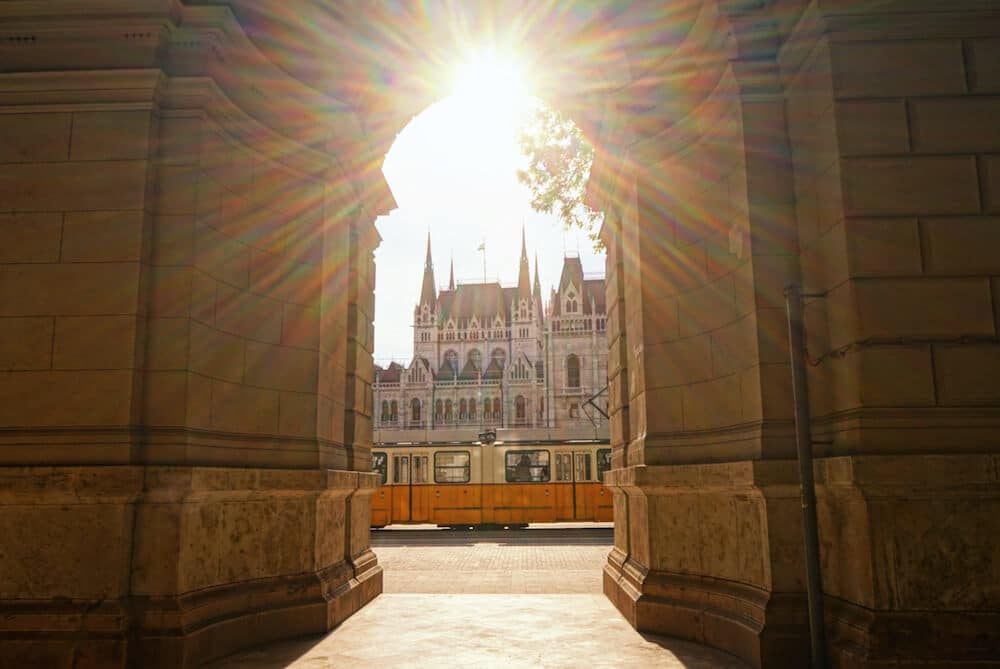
{"x":428,"y":292}
{"x":524,"y":275}
{"x":536,"y":288}
{"x":451,"y":275}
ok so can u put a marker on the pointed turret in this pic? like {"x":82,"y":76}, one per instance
{"x":524,"y":275}
{"x":451,"y":275}
{"x":428,"y":292}
{"x":536,"y":292}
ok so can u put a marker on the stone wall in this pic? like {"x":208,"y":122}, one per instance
{"x":849,"y":150}
{"x":186,"y":282}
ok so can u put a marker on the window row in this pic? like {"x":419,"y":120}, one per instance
{"x":527,"y":466}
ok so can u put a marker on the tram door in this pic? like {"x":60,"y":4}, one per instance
{"x":410,"y":499}
{"x":583,"y":488}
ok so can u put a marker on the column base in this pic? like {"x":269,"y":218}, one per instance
{"x":175,"y":566}
{"x":764,"y":629}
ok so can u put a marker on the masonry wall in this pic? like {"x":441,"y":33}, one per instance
{"x":894,"y":139}
{"x":185,"y":287}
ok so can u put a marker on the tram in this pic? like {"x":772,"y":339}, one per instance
{"x":501,"y":484}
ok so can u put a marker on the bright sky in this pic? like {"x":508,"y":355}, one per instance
{"x":453,"y":172}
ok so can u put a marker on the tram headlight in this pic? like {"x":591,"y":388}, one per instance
{"x":488,"y":437}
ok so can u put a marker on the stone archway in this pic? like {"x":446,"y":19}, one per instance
{"x":187,"y":192}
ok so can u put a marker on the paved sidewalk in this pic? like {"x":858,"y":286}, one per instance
{"x":487,"y":599}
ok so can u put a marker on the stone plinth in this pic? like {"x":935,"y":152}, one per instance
{"x":712,"y":553}
{"x":174,"y":566}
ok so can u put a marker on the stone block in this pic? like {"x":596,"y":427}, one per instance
{"x":167,"y":342}
{"x":896,"y":376}
{"x":659,"y":410}
{"x":924,"y":307}
{"x":61,"y":398}
{"x":776,"y":392}
{"x":872,"y":127}
{"x":244,"y":409}
{"x":280,"y":367}
{"x":103,"y":236}
{"x":94,"y":342}
{"x":298,"y":416}
{"x":177,"y":189}
{"x":173,"y":240}
{"x":883,"y":247}
{"x":71,"y":289}
{"x":966,"y":375}
{"x":733,"y":347}
{"x":707,"y":308}
{"x":217,"y":354}
{"x":35,"y":564}
{"x":899,"y":68}
{"x":116,"y":185}
{"x":180,"y":139}
{"x":955,"y":125}
{"x":990,"y":166}
{"x":713,"y":404}
{"x":25,"y":343}
{"x":28,"y":238}
{"x":300,"y":326}
{"x":961,"y":246}
{"x":165,"y":397}
{"x":248,"y":315}
{"x":926,"y":185}
{"x":985,"y":65}
{"x":221,"y":257}
{"x":111,"y":135}
{"x":34,"y":138}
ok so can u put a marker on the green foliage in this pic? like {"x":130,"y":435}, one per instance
{"x":559,"y":159}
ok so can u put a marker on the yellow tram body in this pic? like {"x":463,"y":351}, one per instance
{"x":491,"y":484}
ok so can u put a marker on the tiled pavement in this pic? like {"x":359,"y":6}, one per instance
{"x":455,"y":599}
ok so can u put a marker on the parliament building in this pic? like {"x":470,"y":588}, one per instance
{"x":492,"y":357}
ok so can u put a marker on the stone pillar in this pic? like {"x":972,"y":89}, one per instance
{"x":856,"y":159}
{"x":895,"y":142}
{"x":176,"y":468}
{"x":707,"y":528}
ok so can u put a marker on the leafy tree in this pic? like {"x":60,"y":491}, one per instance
{"x":559,"y":159}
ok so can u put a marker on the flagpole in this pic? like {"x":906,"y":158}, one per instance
{"x":482,"y":247}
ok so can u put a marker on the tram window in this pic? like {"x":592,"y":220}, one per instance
{"x":603,"y":462}
{"x":582,"y":467}
{"x":564,"y":467}
{"x":400,"y":469}
{"x":527,"y":466}
{"x":452,"y":467}
{"x":380,"y":464}
{"x":420,"y":468}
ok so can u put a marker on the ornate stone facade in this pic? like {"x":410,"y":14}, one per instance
{"x":489,"y":357}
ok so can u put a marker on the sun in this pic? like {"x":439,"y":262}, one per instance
{"x":491,"y":77}
{"x":494,"y":88}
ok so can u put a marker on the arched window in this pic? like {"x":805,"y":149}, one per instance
{"x":541,"y":408}
{"x":520,"y":408}
{"x":415,"y":410}
{"x":500,"y":356}
{"x":497,"y":414}
{"x":438,"y":410}
{"x":451,"y":358}
{"x":472,"y":409}
{"x":572,"y":371}
{"x":448,"y":415}
{"x":476,"y":357}
{"x":385,"y":410}
{"x":486,"y":408}
{"x":463,"y":409}
{"x":393,"y":411}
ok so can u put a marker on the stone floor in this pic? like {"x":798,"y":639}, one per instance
{"x":529,"y":598}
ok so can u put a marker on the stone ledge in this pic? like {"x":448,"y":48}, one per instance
{"x":210,"y":581}
{"x":667,"y":479}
